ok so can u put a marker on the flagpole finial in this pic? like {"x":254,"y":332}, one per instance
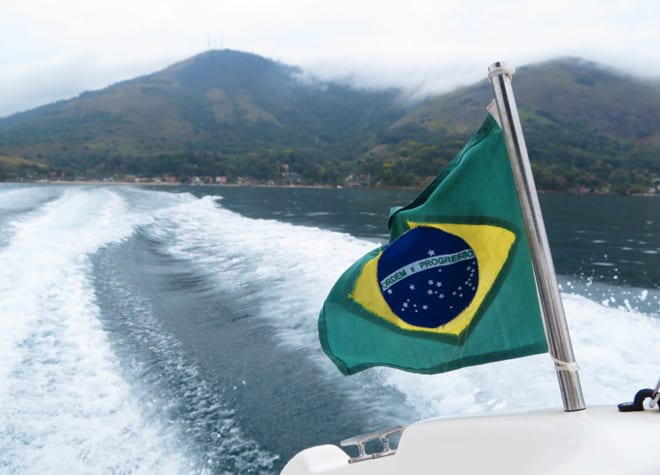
{"x":499,"y":68}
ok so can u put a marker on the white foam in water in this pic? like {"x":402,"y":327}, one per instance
{"x":16,"y":199}
{"x":294,"y":265}
{"x":64,"y":407}
{"x":615,"y":347}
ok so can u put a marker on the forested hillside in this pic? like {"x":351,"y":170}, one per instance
{"x":219,"y":113}
{"x":233,"y":114}
{"x":584,"y":125}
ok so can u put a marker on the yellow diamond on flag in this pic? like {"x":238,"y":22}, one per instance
{"x":437,"y":277}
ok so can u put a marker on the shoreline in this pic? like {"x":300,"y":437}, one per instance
{"x":257,"y":185}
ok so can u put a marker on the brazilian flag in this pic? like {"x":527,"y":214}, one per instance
{"x":454,"y":287}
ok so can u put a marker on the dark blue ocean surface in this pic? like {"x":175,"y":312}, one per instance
{"x":173,"y":330}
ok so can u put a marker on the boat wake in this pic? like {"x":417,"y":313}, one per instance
{"x":157,"y":332}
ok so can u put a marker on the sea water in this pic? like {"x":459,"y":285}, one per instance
{"x":173,"y":330}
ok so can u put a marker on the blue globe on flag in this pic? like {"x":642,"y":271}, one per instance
{"x":428,"y":276}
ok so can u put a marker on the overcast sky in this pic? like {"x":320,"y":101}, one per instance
{"x":55,"y":49}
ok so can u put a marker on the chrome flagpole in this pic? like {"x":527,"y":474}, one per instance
{"x":554,"y":319}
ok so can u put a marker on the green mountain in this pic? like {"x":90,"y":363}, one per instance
{"x":583,"y":124}
{"x":218,"y":113}
{"x":227,"y":113}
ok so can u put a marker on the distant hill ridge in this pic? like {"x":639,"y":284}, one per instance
{"x":583,"y":124}
{"x":229,"y":113}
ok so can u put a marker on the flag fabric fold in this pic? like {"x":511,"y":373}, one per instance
{"x":453,"y":287}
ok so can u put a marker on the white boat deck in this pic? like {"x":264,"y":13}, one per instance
{"x":596,"y":440}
